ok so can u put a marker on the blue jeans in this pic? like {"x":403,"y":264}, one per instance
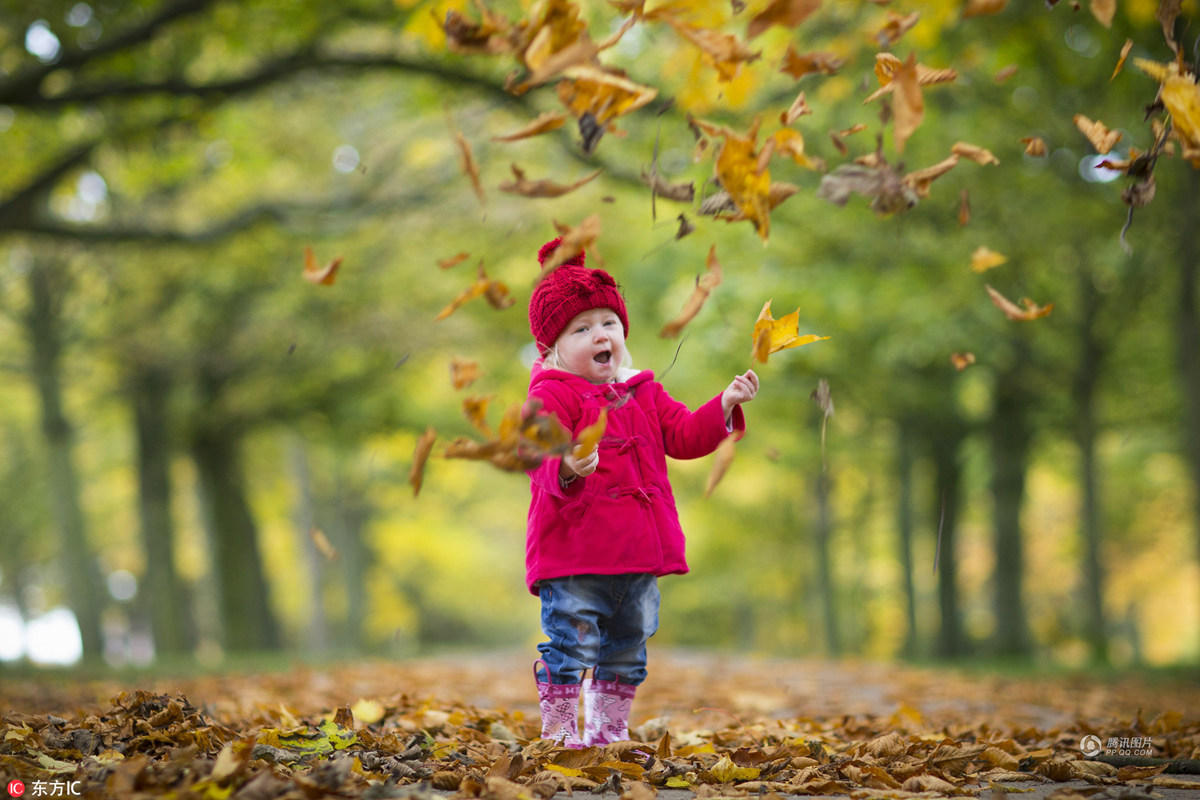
{"x":600,"y":622}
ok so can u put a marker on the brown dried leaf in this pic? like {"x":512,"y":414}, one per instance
{"x":961,"y":361}
{"x":896,"y":26}
{"x":549,"y":121}
{"x":889,"y":192}
{"x":977,"y":154}
{"x":544,"y":187}
{"x":458,"y":258}
{"x":1097,"y":133}
{"x":416,"y":474}
{"x":679,"y":192}
{"x":798,"y":65}
{"x":788,"y":13}
{"x":721,"y":461}
{"x":495,"y":292}
{"x":964,"y":207}
{"x":1031,"y":310}
{"x":705,"y":283}
{"x":920,"y":180}
{"x":978,"y":8}
{"x":574,"y":241}
{"x":723,"y":50}
{"x":798,"y":109}
{"x":1125,"y":50}
{"x":463,"y":372}
{"x":470,"y":168}
{"x":316,"y":274}
{"x":1104,"y":11}
{"x":1005,"y":73}
{"x":909,"y":106}
{"x":1034,"y":146}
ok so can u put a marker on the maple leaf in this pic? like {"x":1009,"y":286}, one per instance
{"x":574,"y":241}
{"x":798,"y":109}
{"x":1031,"y":310}
{"x":458,"y":258}
{"x":557,"y":28}
{"x":739,"y":173}
{"x":978,"y":8}
{"x":1097,"y":133}
{"x":467,"y":159}
{"x":316,"y":274}
{"x":549,"y":121}
{"x":705,"y":283}
{"x":985,"y":258}
{"x":724,"y":51}
{"x":496,"y":293}
{"x":463,"y":372}
{"x":544,"y":187}
{"x":722,"y":458}
{"x":909,"y":107}
{"x":772,"y":335}
{"x":788,"y":13}
{"x":596,"y":96}
{"x":800,"y":64}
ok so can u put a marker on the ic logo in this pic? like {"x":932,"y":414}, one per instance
{"x":16,"y":788}
{"x":1090,"y":745}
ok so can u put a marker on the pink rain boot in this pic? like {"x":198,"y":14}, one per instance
{"x":606,"y":706}
{"x":559,"y":703}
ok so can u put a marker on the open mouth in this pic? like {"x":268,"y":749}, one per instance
{"x":603,"y":357}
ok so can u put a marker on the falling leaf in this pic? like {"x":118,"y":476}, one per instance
{"x":574,"y":241}
{"x":964,"y":207}
{"x":416,"y":474}
{"x":1034,"y":146}
{"x":496,"y":293}
{"x":961,"y":361}
{"x":772,"y":335}
{"x":921,"y":180}
{"x":909,"y":107}
{"x":977,"y":154}
{"x":679,"y":192}
{"x":447,"y":263}
{"x":1181,"y":96}
{"x":896,"y":26}
{"x":526,"y":437}
{"x":463,"y":372}
{"x":1125,"y":50}
{"x":314,"y":273}
{"x":589,"y":438}
{"x":467,"y":159}
{"x":823,"y":397}
{"x":979,"y":8}
{"x":789,"y":142}
{"x":724,"y":51}
{"x":704,"y":286}
{"x":1104,"y":11}
{"x":475,"y":410}
{"x":549,"y":121}
{"x":887,"y":65}
{"x":596,"y":97}
{"x":984,"y":259}
{"x":321,"y":542}
{"x":1031,"y":310}
{"x":1097,"y":133}
{"x":722,"y":458}
{"x":737,"y":170}
{"x":544,"y":187}
{"x":889,"y":192}
{"x":489,"y":36}
{"x":1005,"y":73}
{"x":685,"y":227}
{"x":798,"y":65}
{"x":798,"y":109}
{"x":788,"y":13}
{"x":1168,"y":11}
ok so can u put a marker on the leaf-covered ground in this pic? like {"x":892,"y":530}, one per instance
{"x":704,"y":725}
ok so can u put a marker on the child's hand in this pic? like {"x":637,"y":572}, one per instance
{"x":741,"y":390}
{"x":573,"y":467}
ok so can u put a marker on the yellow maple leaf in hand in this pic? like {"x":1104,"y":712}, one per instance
{"x":772,"y":335}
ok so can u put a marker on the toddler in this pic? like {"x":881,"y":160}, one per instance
{"x":602,"y":528}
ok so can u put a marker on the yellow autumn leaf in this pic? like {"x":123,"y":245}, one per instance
{"x":1097,"y":133}
{"x":772,"y":335}
{"x":726,"y":771}
{"x":367,"y":712}
{"x":1181,"y":96}
{"x":570,"y":772}
{"x":984,"y":259}
{"x":589,"y":437}
{"x":677,"y":782}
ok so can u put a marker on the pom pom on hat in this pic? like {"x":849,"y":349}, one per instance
{"x":569,"y":290}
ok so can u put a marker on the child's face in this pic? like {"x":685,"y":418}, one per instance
{"x":593,"y":345}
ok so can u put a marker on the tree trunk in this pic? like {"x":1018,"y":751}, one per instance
{"x":946,"y":443}
{"x":84,"y":586}
{"x":242,"y":599}
{"x":1010,"y":451}
{"x":1087,"y":376}
{"x":304,"y":516}
{"x":164,"y":597}
{"x":352,"y":512}
{"x":1187,"y":336}
{"x":904,"y":529}
{"x":824,"y":532}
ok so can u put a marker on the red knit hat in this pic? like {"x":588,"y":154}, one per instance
{"x":569,"y":290}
